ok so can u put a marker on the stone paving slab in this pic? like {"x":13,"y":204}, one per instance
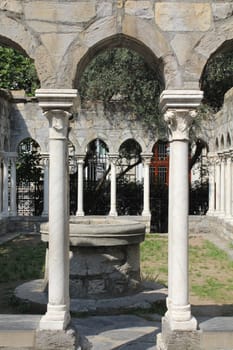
{"x":123,"y":332}
{"x":217,"y":324}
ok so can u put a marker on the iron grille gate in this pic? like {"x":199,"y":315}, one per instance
{"x":29,"y":198}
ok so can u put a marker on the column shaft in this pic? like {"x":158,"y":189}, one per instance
{"x":218,"y":187}
{"x":222,"y":181}
{"x":46,"y":186}
{"x":146,"y":188}
{"x":113,"y":211}
{"x":5,"y":186}
{"x":228,"y":187}
{"x":80,"y":212}
{"x":211,"y":209}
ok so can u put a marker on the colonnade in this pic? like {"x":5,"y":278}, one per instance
{"x":220,"y":185}
{"x":146,"y":159}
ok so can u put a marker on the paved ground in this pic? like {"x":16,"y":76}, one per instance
{"x":129,"y":332}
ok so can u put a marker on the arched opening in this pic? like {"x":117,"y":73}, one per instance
{"x":29,"y":179}
{"x":159,"y":180}
{"x":17,"y":71}
{"x":96,"y":184}
{"x":228,"y":140}
{"x":129,"y":178}
{"x":217,"y":76}
{"x":222,"y":143}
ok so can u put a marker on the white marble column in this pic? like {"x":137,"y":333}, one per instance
{"x":222,"y":181}
{"x":218,"y":186}
{"x":179,"y":108}
{"x":45,"y":161}
{"x":146,"y":160}
{"x":56,"y":105}
{"x":228,"y":183}
{"x":80,"y":162}
{"x":13,"y":204}
{"x":5,"y":204}
{"x":211,"y":168}
{"x":113,"y":211}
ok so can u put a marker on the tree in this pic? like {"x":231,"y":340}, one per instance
{"x":121,"y":74}
{"x":17,"y":71}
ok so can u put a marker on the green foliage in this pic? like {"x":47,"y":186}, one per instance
{"x":28,"y":163}
{"x":20,"y":259}
{"x":121,"y":74}
{"x":217,"y":79}
{"x":17,"y":71}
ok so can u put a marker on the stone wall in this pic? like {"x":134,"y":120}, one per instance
{"x":62,"y":36}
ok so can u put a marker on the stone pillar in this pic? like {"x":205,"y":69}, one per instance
{"x":45,"y":160}
{"x":217,"y":186}
{"x":5,"y":185}
{"x":13,"y":204}
{"x":113,"y":158}
{"x":211,"y":209}
{"x":80,"y":162}
{"x":146,"y":159}
{"x":56,"y":105}
{"x":222,"y":182}
{"x":179,"y":108}
{"x":228,"y":185}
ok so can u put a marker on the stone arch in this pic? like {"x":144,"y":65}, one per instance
{"x":94,"y":136}
{"x":220,"y":39}
{"x":16,"y":35}
{"x":128,"y":136}
{"x":136,"y":34}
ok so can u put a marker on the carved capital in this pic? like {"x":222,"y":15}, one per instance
{"x":113,"y":157}
{"x":146,"y":158}
{"x":80,"y":158}
{"x":179,"y":123}
{"x":58,"y":123}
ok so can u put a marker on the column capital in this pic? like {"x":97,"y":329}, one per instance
{"x":50,"y":99}
{"x":80,"y":158}
{"x":180,"y":99}
{"x":179,"y":123}
{"x":58,"y":123}
{"x":146,"y":157}
{"x":113,"y":157}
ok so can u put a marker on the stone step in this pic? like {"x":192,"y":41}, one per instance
{"x":217,"y":333}
{"x":18,"y":331}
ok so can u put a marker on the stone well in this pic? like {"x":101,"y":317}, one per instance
{"x":104,"y":256}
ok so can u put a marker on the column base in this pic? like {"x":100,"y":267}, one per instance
{"x":80,"y":213}
{"x":174,"y":339}
{"x":56,"y":339}
{"x":56,"y":318}
{"x":113,"y":213}
{"x":146,"y":213}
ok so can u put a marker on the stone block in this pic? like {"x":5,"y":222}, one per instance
{"x":56,"y":340}
{"x":139,"y":8}
{"x":70,"y":12}
{"x":11,"y":5}
{"x":183,"y":16}
{"x":222,"y":10}
{"x":178,"y":339}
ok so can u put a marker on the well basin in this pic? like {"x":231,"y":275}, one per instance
{"x":104,"y":256}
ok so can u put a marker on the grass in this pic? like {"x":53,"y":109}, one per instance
{"x":22,"y":259}
{"x":210,"y":268}
{"x":211,"y":271}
